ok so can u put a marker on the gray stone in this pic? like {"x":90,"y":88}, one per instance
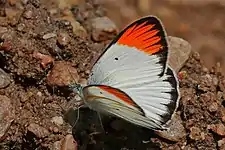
{"x":4,"y":79}
{"x":180,"y":51}
{"x":7,"y":114}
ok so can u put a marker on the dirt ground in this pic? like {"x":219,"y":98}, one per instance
{"x":37,"y":46}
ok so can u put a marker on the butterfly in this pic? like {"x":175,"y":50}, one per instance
{"x":132,"y":79}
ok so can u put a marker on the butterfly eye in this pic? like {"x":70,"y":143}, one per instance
{"x":116,"y":58}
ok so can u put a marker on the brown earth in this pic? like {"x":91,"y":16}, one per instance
{"x":34,"y":40}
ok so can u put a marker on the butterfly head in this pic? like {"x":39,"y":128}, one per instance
{"x":77,"y":88}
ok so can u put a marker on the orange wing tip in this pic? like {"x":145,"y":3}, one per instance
{"x":146,"y":35}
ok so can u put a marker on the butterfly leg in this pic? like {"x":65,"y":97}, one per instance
{"x":100,"y":119}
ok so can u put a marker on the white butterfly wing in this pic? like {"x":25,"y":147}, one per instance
{"x":136,"y":63}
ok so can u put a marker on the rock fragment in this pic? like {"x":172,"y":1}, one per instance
{"x":217,"y":128}
{"x":58,"y":120}
{"x":38,"y":130}
{"x":78,"y":29}
{"x":213,"y":107}
{"x":62,"y":74}
{"x":45,"y":59}
{"x":28,"y":14}
{"x":3,"y":30}
{"x":221,"y":144}
{"x":63,"y":38}
{"x":176,"y":131}
{"x":49,"y":35}
{"x":68,"y":143}
{"x":180,"y":51}
{"x":4,"y":79}
{"x":7,"y":114}
{"x":56,"y":145}
{"x":103,"y":29}
{"x":195,"y":133}
{"x":13,"y":15}
{"x":6,"y":46}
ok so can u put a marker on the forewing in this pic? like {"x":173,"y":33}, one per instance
{"x":142,"y":45}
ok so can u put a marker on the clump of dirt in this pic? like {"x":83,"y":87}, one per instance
{"x":32,"y":43}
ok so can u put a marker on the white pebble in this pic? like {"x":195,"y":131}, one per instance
{"x":49,"y":35}
{"x":58,"y":120}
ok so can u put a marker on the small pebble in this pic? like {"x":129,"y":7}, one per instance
{"x":38,"y":130}
{"x":28,"y":14}
{"x":180,"y":52}
{"x":195,"y":133}
{"x":51,"y":128}
{"x":6,"y":46}
{"x":213,"y":107}
{"x":62,"y":74}
{"x":55,"y":130}
{"x":78,"y":29}
{"x":77,"y":97}
{"x":83,"y":82}
{"x":58,"y":120}
{"x":24,"y":2}
{"x":12,"y":2}
{"x":63,"y":38}
{"x":21,"y":26}
{"x":87,"y":72}
{"x":39,"y":94}
{"x":7,"y":114}
{"x":103,"y":29}
{"x":4,"y":79}
{"x":49,"y":35}
{"x":176,"y":130}
{"x":215,"y":81}
{"x":56,"y":145}
{"x":221,"y":143}
{"x":204,"y":69}
{"x":3,"y":30}
{"x":217,"y":128}
{"x":53,"y":11}
{"x":68,"y":143}
{"x":196,"y":55}
{"x":182,"y":75}
{"x":24,"y":97}
{"x":45,"y":59}
{"x":13,"y":15}
{"x":223,"y":119}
